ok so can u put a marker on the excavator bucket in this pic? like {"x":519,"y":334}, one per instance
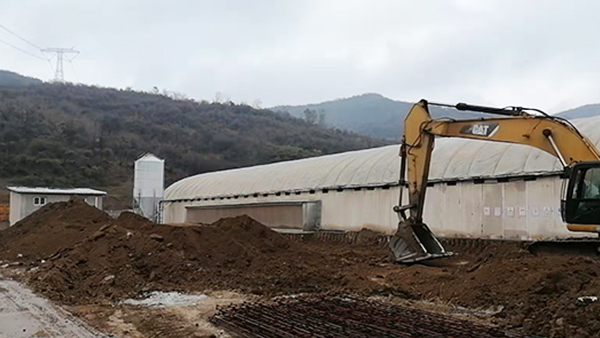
{"x":414,"y":242}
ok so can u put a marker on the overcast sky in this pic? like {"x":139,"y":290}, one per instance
{"x":524,"y":52}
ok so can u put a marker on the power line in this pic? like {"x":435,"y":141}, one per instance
{"x":51,"y":67}
{"x":58,"y":52}
{"x":21,"y":50}
{"x":73,"y":67}
{"x":59,"y":75}
{"x":73,"y":58}
{"x":21,"y":38}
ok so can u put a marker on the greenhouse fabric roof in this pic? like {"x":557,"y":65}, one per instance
{"x":452,"y":159}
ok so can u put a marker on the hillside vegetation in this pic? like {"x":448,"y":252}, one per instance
{"x":581,"y":112}
{"x":66,"y":135}
{"x":380,"y":117}
{"x":12,"y":79}
{"x":368,"y":114}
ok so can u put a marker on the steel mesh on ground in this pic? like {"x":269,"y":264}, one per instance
{"x":340,"y":316}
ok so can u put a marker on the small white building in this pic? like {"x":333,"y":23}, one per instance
{"x":26,"y":200}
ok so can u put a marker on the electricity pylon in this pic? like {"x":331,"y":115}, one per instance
{"x":59,"y":75}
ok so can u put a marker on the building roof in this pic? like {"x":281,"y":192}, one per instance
{"x":56,"y":191}
{"x":149,"y":157}
{"x":452,"y":159}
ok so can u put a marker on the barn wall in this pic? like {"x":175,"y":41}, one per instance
{"x":511,"y":210}
{"x":288,"y":216}
{"x":521,"y":210}
{"x":340,"y":210}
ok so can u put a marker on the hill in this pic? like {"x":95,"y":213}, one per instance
{"x":581,"y":112}
{"x":10,"y":79}
{"x":368,"y":114}
{"x":72,"y":135}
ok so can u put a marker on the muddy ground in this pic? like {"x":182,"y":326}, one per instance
{"x":88,"y":262}
{"x":24,"y":314}
{"x":142,"y":322}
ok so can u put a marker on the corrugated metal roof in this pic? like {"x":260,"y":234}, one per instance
{"x":452,"y":159}
{"x":56,"y":191}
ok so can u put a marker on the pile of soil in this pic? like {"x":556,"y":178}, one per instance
{"x":131,"y":255}
{"x":539,"y":294}
{"x":52,"y":228}
{"x":92,"y":258}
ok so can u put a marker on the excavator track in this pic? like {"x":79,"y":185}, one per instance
{"x":569,"y":246}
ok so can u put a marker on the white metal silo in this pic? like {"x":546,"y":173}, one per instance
{"x":148,"y":185}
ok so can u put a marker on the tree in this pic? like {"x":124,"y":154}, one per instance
{"x":68,"y":135}
{"x":310,"y":116}
{"x":218,"y":97}
{"x":322,"y":118}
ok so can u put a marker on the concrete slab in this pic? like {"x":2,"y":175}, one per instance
{"x":23,"y":314}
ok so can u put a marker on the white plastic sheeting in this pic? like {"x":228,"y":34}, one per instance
{"x":453,"y":159}
{"x":160,"y":299}
{"x":357,"y":168}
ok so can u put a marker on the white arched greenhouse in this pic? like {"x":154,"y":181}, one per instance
{"x":477,"y":189}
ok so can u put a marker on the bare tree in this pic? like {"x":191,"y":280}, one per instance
{"x":310,"y":116}
{"x":218,"y":97}
{"x":322,"y":118}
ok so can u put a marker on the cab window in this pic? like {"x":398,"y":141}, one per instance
{"x":590,"y":188}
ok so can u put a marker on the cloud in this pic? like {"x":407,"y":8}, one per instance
{"x":535,"y":53}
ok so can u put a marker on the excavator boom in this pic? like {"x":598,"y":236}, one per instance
{"x":413,"y":240}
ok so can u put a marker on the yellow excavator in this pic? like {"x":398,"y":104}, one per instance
{"x":580,"y":202}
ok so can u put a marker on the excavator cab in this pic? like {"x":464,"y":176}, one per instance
{"x":580,"y":203}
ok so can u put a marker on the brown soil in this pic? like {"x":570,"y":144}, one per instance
{"x":113,"y":259}
{"x":140,"y":322}
{"x":54,"y":227}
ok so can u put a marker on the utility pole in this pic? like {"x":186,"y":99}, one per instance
{"x":59,"y":75}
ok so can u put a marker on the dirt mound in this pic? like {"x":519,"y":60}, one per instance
{"x":539,"y":294}
{"x":52,"y":228}
{"x":259,"y":235}
{"x":132,"y":254}
{"x":102,"y":259}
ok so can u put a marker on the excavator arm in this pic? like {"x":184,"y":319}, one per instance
{"x":414,"y":241}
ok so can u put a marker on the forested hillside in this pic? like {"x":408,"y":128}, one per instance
{"x":367,"y":114}
{"x":581,"y":112}
{"x":16,"y":80}
{"x":66,"y":135}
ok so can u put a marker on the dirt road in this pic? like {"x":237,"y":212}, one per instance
{"x":24,"y":314}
